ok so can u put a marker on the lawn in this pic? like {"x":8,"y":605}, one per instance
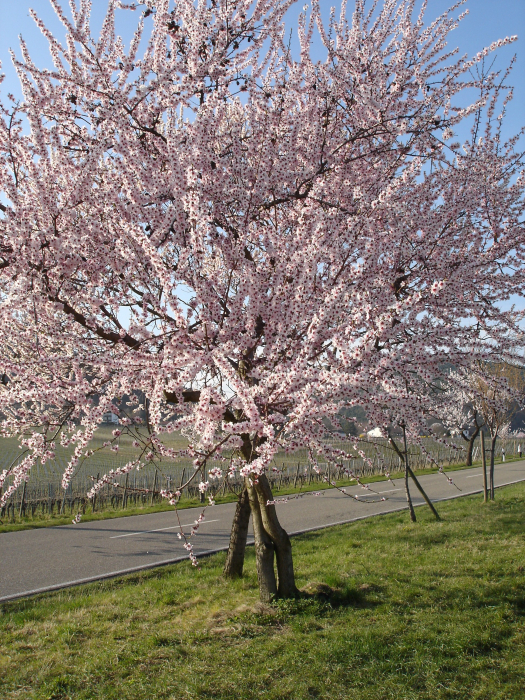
{"x":389,"y":610}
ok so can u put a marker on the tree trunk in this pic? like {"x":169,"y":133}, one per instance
{"x":271,"y":540}
{"x":470,"y":447}
{"x":239,"y":533}
{"x":409,"y":498}
{"x":407,"y":490}
{"x":492,"y":456}
{"x":484,"y":465}
{"x":264,"y":550}
{"x":423,"y":493}
{"x":279,"y":537}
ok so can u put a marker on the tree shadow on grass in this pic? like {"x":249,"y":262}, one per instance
{"x":361,"y":596}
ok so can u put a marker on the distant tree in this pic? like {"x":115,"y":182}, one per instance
{"x":460,"y":410}
{"x":253,"y":240}
{"x":501,"y":393}
{"x":482,"y":397}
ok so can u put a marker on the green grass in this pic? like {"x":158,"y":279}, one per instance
{"x":45,"y":520}
{"x":390,"y":610}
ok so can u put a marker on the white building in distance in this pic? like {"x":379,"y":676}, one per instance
{"x":376,"y":432}
{"x":110,"y":418}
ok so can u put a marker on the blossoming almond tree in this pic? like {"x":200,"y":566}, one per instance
{"x":498,"y":390}
{"x":254,"y":240}
{"x":458,"y":408}
{"x":482,"y":397}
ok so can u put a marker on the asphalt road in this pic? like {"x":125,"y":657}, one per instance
{"x":34,"y":561}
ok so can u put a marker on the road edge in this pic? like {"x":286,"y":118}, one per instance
{"x":209,"y":552}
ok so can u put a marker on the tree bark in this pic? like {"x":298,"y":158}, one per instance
{"x":407,"y":490}
{"x":423,"y":493}
{"x":492,"y":456}
{"x":264,"y":550}
{"x":271,"y":540}
{"x":239,"y":533}
{"x":484,"y":465}
{"x":279,"y":537}
{"x":409,"y":498}
{"x":470,"y":447}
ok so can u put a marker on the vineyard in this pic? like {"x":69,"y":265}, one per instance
{"x":43,"y":494}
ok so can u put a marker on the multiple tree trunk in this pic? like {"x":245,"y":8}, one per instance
{"x":272,"y":542}
{"x":488,"y":489}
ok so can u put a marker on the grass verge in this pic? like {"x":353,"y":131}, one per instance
{"x":44,"y":520}
{"x":389,"y":611}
